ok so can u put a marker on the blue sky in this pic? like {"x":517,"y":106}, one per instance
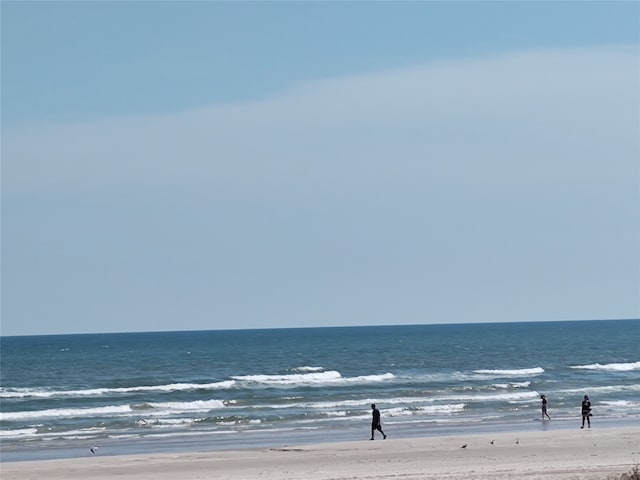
{"x":205,"y":165}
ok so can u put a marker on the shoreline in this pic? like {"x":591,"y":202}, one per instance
{"x":212,"y":441}
{"x":537,"y":455}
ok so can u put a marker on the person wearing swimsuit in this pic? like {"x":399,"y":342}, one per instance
{"x":544,"y":407}
{"x":586,"y":412}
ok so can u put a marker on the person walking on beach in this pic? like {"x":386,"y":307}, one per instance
{"x":544,"y":407}
{"x":375,"y":422}
{"x":586,"y":411}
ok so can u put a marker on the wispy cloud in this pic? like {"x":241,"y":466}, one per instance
{"x":532,"y":115}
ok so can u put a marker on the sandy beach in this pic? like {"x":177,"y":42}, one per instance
{"x":558,"y":455}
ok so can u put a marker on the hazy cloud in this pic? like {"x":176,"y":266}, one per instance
{"x":485,"y":189}
{"x":536,"y":115}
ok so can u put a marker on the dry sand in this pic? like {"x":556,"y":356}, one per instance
{"x":549,"y":455}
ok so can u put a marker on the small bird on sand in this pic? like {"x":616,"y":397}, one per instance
{"x":517,"y":441}
{"x":93,"y":449}
{"x":464,"y":446}
{"x":492,"y":442}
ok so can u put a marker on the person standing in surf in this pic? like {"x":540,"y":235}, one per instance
{"x":586,"y":411}
{"x":544,"y":407}
{"x":375,"y":422}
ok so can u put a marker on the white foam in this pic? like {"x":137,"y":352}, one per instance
{"x":619,"y":403}
{"x":79,"y":433}
{"x":361,"y":403}
{"x":337,"y":414}
{"x":66,"y":412}
{"x":443,"y":409}
{"x":19,"y":432}
{"x":330,"y":377}
{"x":195,"y":406}
{"x":512,"y":373}
{"x":511,"y":385}
{"x":512,"y":396}
{"x":605,"y":389}
{"x":292,"y":379}
{"x":309,"y":369}
{"x":95,"y":392}
{"x":313,"y":375}
{"x":152,"y":408}
{"x":615,"y":367}
{"x":370,"y":378}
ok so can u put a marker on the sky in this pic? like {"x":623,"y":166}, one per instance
{"x":214,"y":165}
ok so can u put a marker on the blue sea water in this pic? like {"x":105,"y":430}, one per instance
{"x":207,"y":390}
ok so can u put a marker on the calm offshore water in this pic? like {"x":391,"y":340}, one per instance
{"x":143,"y":392}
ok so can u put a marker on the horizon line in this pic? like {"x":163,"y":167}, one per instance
{"x":322,"y":327}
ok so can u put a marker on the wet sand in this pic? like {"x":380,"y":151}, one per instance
{"x":547,"y":455}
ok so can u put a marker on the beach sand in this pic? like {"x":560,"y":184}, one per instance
{"x":544,"y":455}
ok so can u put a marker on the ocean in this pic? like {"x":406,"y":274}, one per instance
{"x":209,"y":390}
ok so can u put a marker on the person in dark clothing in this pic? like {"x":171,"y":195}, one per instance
{"x":375,"y":422}
{"x":544,"y":407}
{"x":586,"y":411}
